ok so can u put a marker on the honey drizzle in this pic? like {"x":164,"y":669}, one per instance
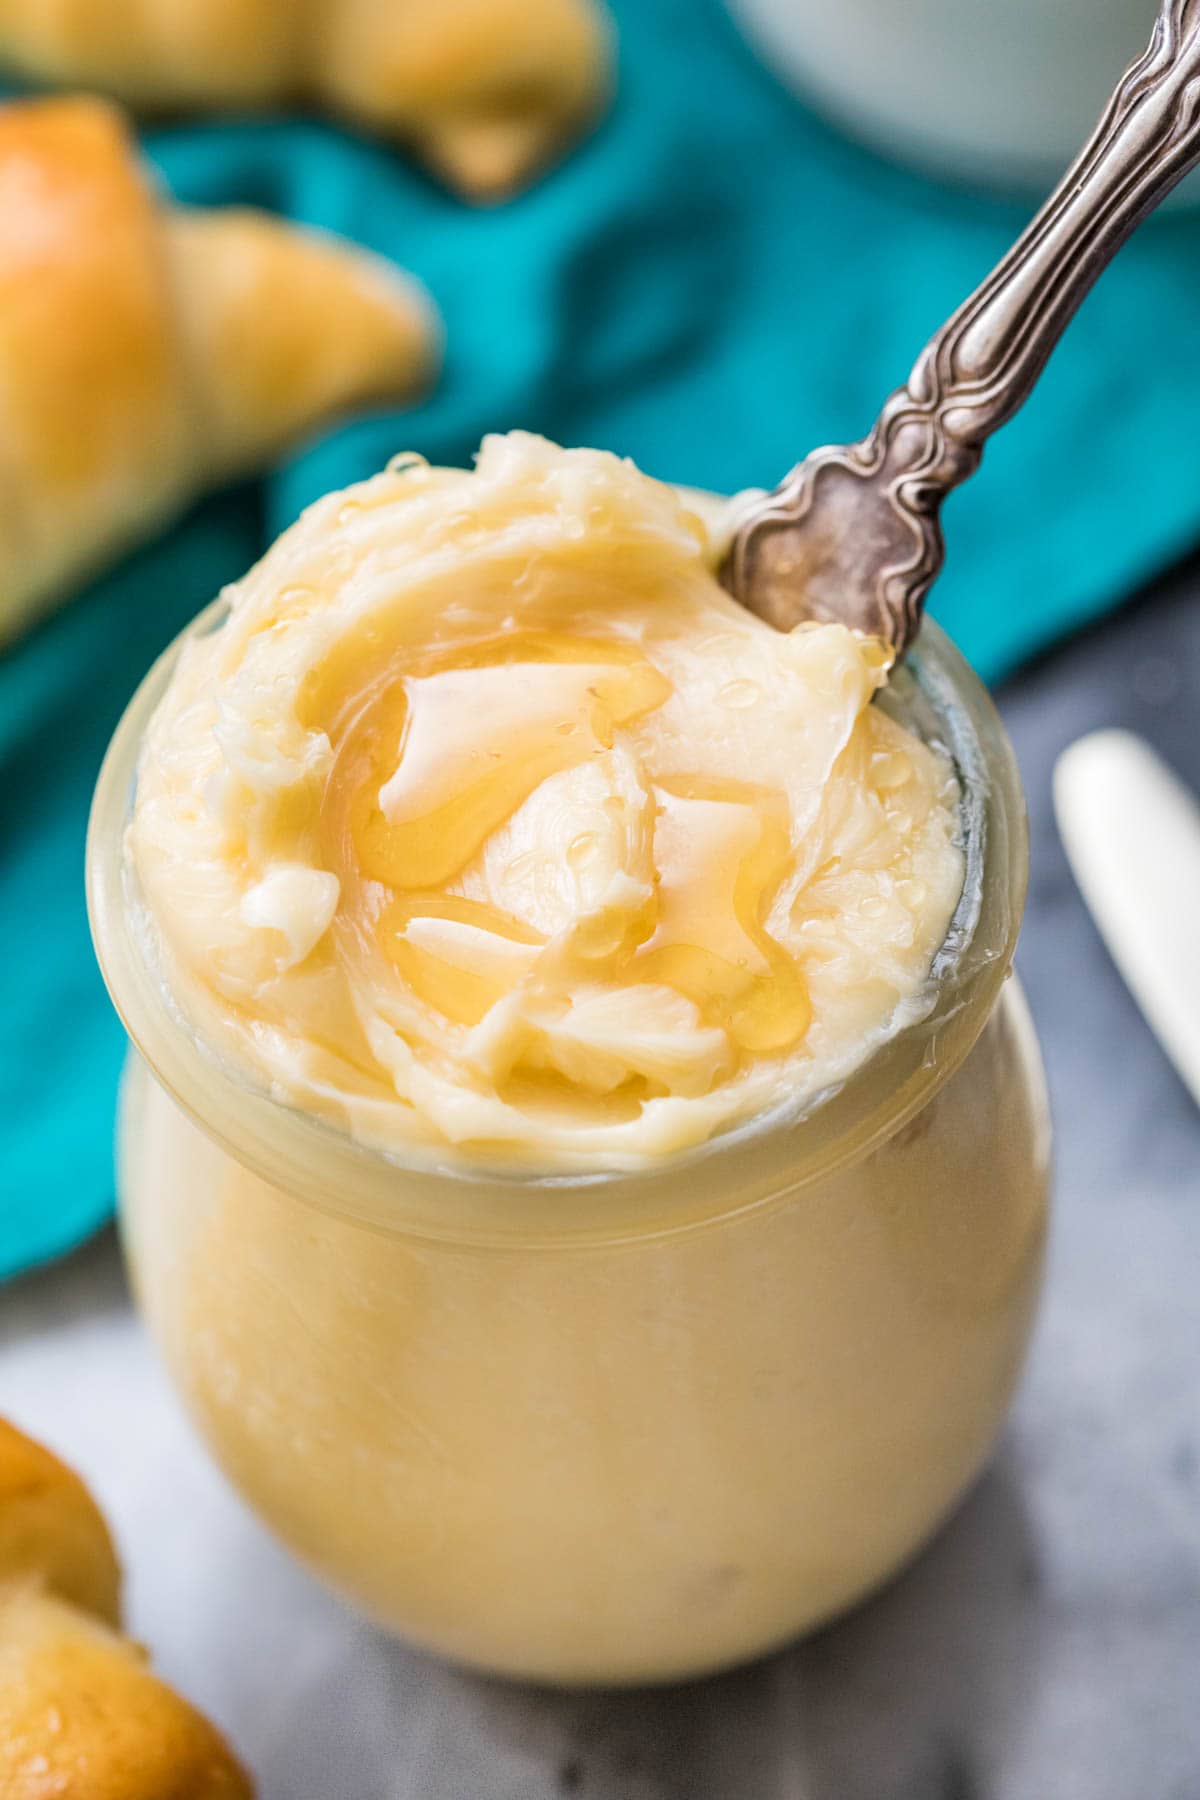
{"x":506,"y":730}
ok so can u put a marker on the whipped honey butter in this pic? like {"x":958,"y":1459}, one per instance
{"x":488,"y":826}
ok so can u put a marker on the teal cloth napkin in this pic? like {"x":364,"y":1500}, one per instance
{"x":712,"y":284}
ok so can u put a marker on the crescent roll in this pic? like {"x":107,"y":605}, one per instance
{"x":149,"y":352}
{"x":486,"y":90}
{"x":81,"y":1715}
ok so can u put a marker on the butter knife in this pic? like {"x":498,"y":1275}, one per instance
{"x":1132,"y":835}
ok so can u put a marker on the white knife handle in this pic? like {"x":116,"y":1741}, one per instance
{"x":1132,"y":833}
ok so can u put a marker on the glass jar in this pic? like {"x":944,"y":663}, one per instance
{"x":613,"y":1428}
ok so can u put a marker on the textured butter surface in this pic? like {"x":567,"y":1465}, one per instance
{"x":488,"y":820}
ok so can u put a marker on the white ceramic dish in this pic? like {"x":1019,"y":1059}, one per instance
{"x":1000,"y":91}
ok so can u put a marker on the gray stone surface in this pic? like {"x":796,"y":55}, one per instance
{"x":1046,"y":1647}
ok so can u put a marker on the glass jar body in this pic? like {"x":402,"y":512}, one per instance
{"x":637,"y":1461}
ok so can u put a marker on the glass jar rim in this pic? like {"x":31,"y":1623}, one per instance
{"x":747,"y":1166}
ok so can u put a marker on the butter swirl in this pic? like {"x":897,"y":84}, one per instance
{"x":487,"y":822}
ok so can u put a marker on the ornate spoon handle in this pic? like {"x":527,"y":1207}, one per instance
{"x":853,"y":532}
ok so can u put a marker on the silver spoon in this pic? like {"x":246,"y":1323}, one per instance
{"x":853,"y":533}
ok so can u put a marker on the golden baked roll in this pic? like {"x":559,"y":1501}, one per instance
{"x":81,"y":1715}
{"x":486,"y":90}
{"x":148,"y":352}
{"x":51,"y":1530}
